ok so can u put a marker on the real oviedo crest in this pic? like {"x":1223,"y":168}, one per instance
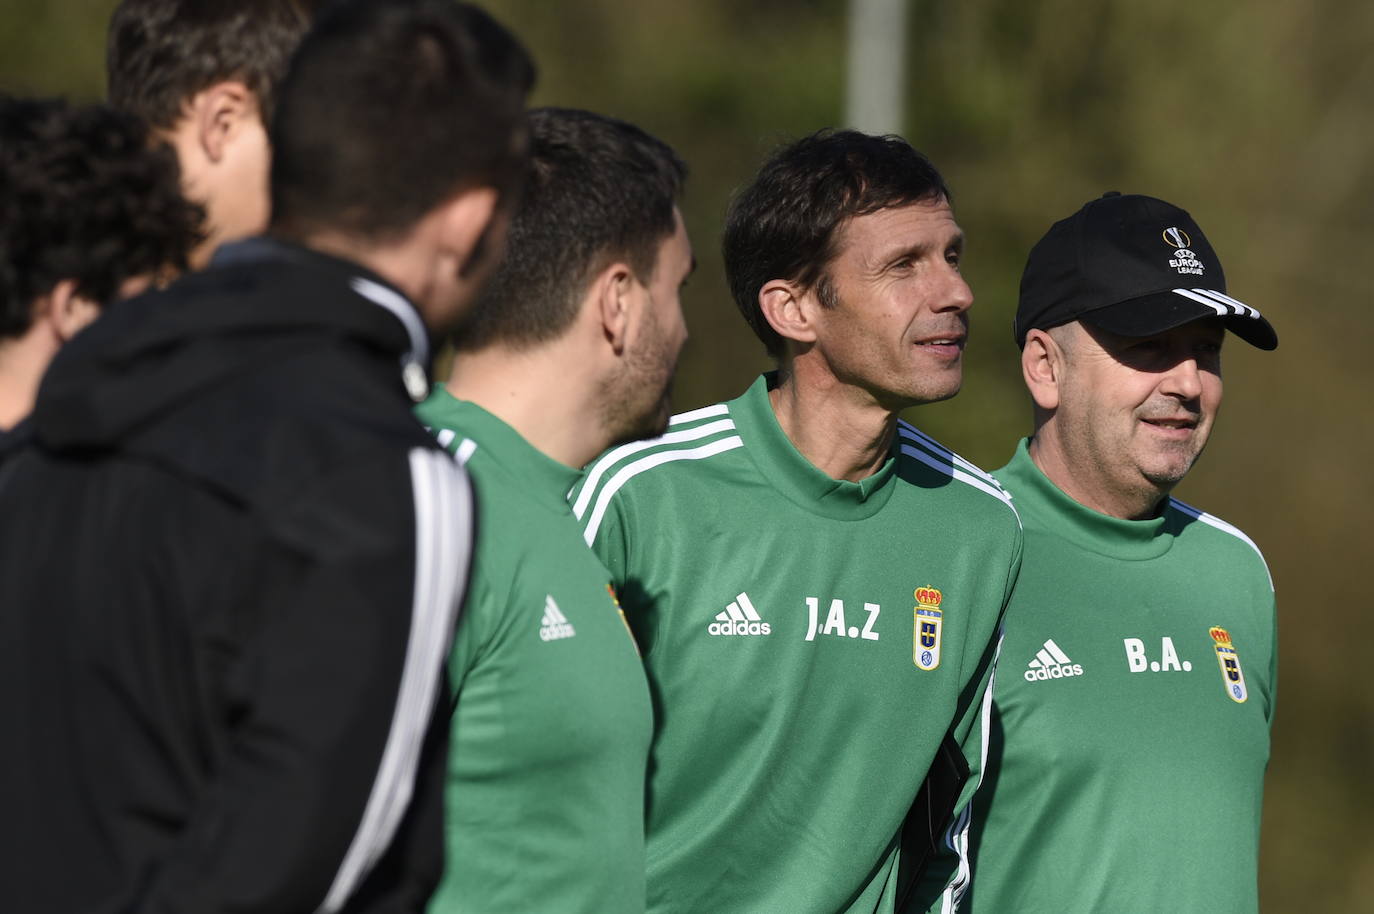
{"x":1231,"y":676}
{"x":927,"y":622}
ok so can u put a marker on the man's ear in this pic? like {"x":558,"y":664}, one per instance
{"x":470,"y":220}
{"x":67,"y":312}
{"x":613,"y":302}
{"x":216,"y":115}
{"x":789,"y":310}
{"x":1042,"y":367}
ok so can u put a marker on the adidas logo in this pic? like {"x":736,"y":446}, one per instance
{"x":739,"y":618}
{"x":1051,"y":663}
{"x":555,"y":624}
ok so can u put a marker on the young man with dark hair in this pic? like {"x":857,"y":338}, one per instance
{"x":226,"y":683}
{"x":88,"y":213}
{"x":569,"y":349}
{"x":817,"y":587}
{"x":204,"y":74}
{"x":1131,"y":719}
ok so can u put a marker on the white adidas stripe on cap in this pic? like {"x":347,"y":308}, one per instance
{"x":1240,"y":306}
{"x":1223,"y":304}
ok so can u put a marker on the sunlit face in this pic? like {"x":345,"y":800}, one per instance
{"x":1135,"y":412}
{"x":899,"y":327}
{"x":643,"y":400}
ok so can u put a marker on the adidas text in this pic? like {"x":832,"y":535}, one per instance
{"x":739,"y":628}
{"x":1054,"y":672}
{"x":554,"y":632}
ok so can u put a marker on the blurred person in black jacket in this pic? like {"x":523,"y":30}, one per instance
{"x":89,"y":212}
{"x":231,"y":561}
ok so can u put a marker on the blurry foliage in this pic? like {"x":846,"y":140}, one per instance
{"x":1258,"y":117}
{"x":54,"y":47}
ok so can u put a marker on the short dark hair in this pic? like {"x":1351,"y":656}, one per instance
{"x":160,"y":53}
{"x":785,"y":223}
{"x":391,"y":107}
{"x":83,"y":196}
{"x":597,"y":190}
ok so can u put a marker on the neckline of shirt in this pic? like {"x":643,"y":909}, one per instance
{"x":788,"y":470}
{"x":362,"y":281}
{"x":1043,"y":504}
{"x":538,"y":474}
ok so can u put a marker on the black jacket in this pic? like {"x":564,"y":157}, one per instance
{"x":230,"y":565}
{"x":11,"y":440}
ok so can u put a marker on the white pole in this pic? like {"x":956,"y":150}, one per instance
{"x":877,"y":65}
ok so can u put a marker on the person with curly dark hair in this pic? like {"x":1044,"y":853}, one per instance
{"x":89,"y":213}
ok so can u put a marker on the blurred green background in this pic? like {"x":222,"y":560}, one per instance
{"x":1256,"y":116}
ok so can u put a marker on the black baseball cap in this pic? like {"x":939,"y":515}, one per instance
{"x":1132,"y":265}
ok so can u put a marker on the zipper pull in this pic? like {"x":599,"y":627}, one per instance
{"x":413,"y":376}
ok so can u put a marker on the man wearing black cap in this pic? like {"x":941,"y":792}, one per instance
{"x":1136,"y":685}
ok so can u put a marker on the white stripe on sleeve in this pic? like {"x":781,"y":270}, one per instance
{"x":610,"y":458}
{"x":630,"y":470}
{"x":956,"y":838}
{"x":717,"y":409}
{"x":978,"y":482}
{"x":443,"y":552}
{"x":1212,"y":520}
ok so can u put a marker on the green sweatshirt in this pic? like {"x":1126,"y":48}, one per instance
{"x":545,"y":802}
{"x":1132,"y":711}
{"x":809,"y":642}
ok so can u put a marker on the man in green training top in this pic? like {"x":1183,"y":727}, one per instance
{"x":816,"y":586}
{"x":1136,"y":687}
{"x":571,"y":348}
